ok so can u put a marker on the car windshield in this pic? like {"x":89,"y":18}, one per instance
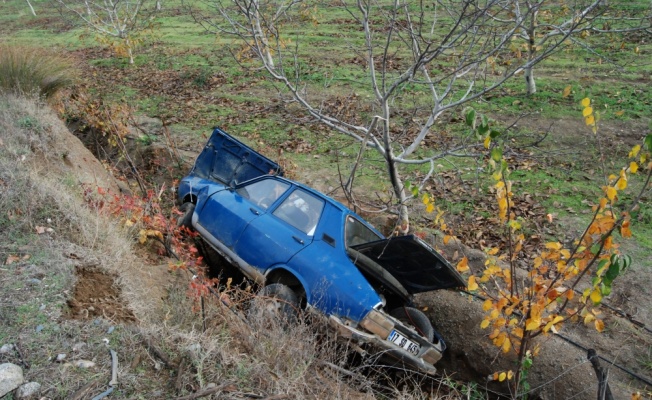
{"x":358,"y":233}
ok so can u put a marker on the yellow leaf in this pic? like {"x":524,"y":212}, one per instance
{"x":472,"y":284}
{"x":588,"y":319}
{"x":426,"y":199}
{"x":430,"y":208}
{"x":590,"y":120}
{"x":625,"y":231}
{"x":487,"y":142}
{"x":484,"y":324}
{"x":493,"y":251}
{"x":507,"y":346}
{"x":596,"y":296}
{"x":599,"y":325}
{"x":619,"y":113}
{"x":487,"y":305}
{"x":586,"y":102}
{"x":611,"y":192}
{"x":553,"y":245}
{"x":502,"y":376}
{"x":532,"y":324}
{"x":587,"y":111}
{"x":567,"y":91}
{"x":463,"y":265}
{"x":633,"y":167}
{"x":634,"y":152}
{"x":447,"y":239}
{"x":142,"y":236}
{"x":622,"y":184}
{"x":510,"y":374}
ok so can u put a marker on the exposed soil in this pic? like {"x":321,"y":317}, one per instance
{"x":96,"y":295}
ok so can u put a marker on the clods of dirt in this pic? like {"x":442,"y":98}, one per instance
{"x":96,"y":295}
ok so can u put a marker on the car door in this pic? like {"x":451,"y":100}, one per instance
{"x":228,"y":212}
{"x":276,"y":236}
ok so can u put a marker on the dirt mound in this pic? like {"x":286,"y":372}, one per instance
{"x":96,"y":295}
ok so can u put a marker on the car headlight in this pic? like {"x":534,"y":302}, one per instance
{"x":377,"y":323}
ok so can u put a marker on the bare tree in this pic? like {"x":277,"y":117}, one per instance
{"x":420,"y":61}
{"x":118,"y":23}
{"x":576,"y":20}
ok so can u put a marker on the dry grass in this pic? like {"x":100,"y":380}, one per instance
{"x":30,"y":71}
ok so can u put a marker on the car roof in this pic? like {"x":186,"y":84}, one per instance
{"x":321,"y":195}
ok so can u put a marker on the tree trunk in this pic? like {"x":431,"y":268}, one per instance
{"x":529,"y":80}
{"x":31,"y":8}
{"x":403,"y":223}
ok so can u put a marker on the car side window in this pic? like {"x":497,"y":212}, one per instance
{"x":264,"y":192}
{"x":301,"y":210}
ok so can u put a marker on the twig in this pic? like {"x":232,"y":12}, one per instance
{"x":178,"y":382}
{"x":82,"y":393}
{"x":205,"y":393}
{"x":20,"y":354}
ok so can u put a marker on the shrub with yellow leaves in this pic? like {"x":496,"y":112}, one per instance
{"x":517,"y":311}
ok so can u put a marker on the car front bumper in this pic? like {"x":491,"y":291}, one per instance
{"x":422,"y":362}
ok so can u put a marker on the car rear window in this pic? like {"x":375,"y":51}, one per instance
{"x":358,"y":233}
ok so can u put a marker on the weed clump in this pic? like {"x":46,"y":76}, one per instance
{"x":32,"y":71}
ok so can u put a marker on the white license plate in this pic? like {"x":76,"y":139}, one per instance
{"x":403,"y":342}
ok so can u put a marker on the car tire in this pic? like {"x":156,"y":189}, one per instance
{"x":416,"y":319}
{"x":275,"y":303}
{"x":185,"y":219}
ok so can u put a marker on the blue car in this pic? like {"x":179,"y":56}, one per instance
{"x":312,"y":252}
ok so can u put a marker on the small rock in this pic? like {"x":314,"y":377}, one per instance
{"x":97,"y":321}
{"x":6,"y":348}
{"x":78,"y":346}
{"x":28,"y":391}
{"x":39,"y":328}
{"x":11,"y":376}
{"x":42,"y":307}
{"x":61,"y":357}
{"x":83,"y":364}
{"x":194,"y":348}
{"x":210,"y":386}
{"x":34,"y":281}
{"x":110,"y":330}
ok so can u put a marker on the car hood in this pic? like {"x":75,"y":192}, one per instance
{"x":416,"y":265}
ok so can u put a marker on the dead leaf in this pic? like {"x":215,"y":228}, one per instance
{"x":40,"y":230}
{"x":11,"y":259}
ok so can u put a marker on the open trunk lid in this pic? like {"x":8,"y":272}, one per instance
{"x":416,"y":265}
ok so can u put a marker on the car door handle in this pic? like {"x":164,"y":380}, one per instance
{"x":299,"y":240}
{"x":253,"y":210}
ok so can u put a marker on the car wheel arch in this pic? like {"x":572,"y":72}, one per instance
{"x":286,"y":276}
{"x":190,"y":198}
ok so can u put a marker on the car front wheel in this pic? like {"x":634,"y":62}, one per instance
{"x":416,"y":319}
{"x":275,"y":304}
{"x":185,"y":219}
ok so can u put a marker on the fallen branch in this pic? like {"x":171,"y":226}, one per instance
{"x":114,"y":369}
{"x":205,"y":393}
{"x":158,"y":353}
